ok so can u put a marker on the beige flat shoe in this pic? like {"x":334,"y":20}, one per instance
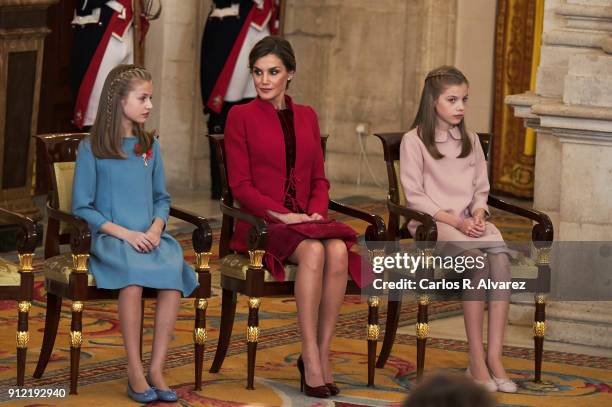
{"x":505,"y":385}
{"x":489,"y":384}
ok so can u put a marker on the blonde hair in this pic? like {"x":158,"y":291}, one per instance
{"x":436,"y":82}
{"x":106,"y":132}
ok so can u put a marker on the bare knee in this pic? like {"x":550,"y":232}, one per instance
{"x":132,"y":290}
{"x":499,"y":265}
{"x":476,"y":257}
{"x":310,"y":254}
{"x":336,"y":257}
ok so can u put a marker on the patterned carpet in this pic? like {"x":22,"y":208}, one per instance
{"x":569,"y":379}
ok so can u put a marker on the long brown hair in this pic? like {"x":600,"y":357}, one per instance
{"x":435,"y":84}
{"x":106,"y":136}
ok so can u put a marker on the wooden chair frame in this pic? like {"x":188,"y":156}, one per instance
{"x":62,"y":148}
{"x":426,"y":237}
{"x":254,"y":285}
{"x":23,"y":293}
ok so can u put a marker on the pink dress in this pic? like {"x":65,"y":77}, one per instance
{"x":456,"y":185}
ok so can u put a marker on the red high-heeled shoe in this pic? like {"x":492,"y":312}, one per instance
{"x":321,"y":392}
{"x":333,"y":389}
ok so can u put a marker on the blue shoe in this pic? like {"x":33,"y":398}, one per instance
{"x":163,"y":395}
{"x":146,"y":396}
{"x":166,"y":395}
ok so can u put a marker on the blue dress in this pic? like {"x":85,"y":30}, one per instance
{"x":130,"y":194}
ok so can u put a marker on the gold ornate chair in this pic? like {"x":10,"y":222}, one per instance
{"x":536,"y":275}
{"x":246,"y":274}
{"x":17,"y":282}
{"x":67,"y":275}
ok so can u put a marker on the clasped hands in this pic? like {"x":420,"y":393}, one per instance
{"x":290,"y":218}
{"x":144,"y":242}
{"x":474,"y":226}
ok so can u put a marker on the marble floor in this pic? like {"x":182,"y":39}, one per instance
{"x":448,"y":328}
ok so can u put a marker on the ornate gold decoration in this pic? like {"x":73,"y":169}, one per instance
{"x":543,"y":256}
{"x":25,"y":262}
{"x":22,"y":339}
{"x":77,"y":306}
{"x":540,"y":298}
{"x":423,"y":300}
{"x":539,"y":328}
{"x":252,"y":333}
{"x":79,"y":262}
{"x":76,"y":339}
{"x":24,"y":306}
{"x":422,"y":330}
{"x":373,"y":332}
{"x":202,"y":260}
{"x":254,"y":302}
{"x":199,"y":336}
{"x":201,"y":303}
{"x":373,"y":301}
{"x":256,"y":258}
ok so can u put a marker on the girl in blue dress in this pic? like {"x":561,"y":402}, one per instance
{"x":119,"y":189}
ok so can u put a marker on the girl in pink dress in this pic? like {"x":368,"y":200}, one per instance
{"x":444,"y":174}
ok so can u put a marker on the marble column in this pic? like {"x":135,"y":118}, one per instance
{"x":571,"y":113}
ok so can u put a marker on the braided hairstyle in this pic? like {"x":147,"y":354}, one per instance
{"x":436,"y":82}
{"x":106,"y":132}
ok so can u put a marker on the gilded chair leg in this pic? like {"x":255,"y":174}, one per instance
{"x":228,"y":311}
{"x":373,"y":332}
{"x":22,"y":339}
{"x":199,"y":339}
{"x":422,"y":331}
{"x":539,"y":329}
{"x":76,"y":339}
{"x":252,"y":339}
{"x":393,"y":314}
{"x":52,"y":317}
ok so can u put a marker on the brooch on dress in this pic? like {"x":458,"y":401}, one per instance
{"x":145,"y":156}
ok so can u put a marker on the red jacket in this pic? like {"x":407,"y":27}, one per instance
{"x":255,"y":149}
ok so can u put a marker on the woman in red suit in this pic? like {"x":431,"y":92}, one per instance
{"x":275,"y":171}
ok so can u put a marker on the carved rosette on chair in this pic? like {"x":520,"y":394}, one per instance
{"x":247,"y":276}
{"x":68,"y":275}
{"x":426,"y":238}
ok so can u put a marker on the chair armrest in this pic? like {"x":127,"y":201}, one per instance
{"x":80,"y":236}
{"x":427,"y":231}
{"x":543,"y":229}
{"x":202,"y":235}
{"x":258,"y":234}
{"x":28,"y":237}
{"x":375,"y":232}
